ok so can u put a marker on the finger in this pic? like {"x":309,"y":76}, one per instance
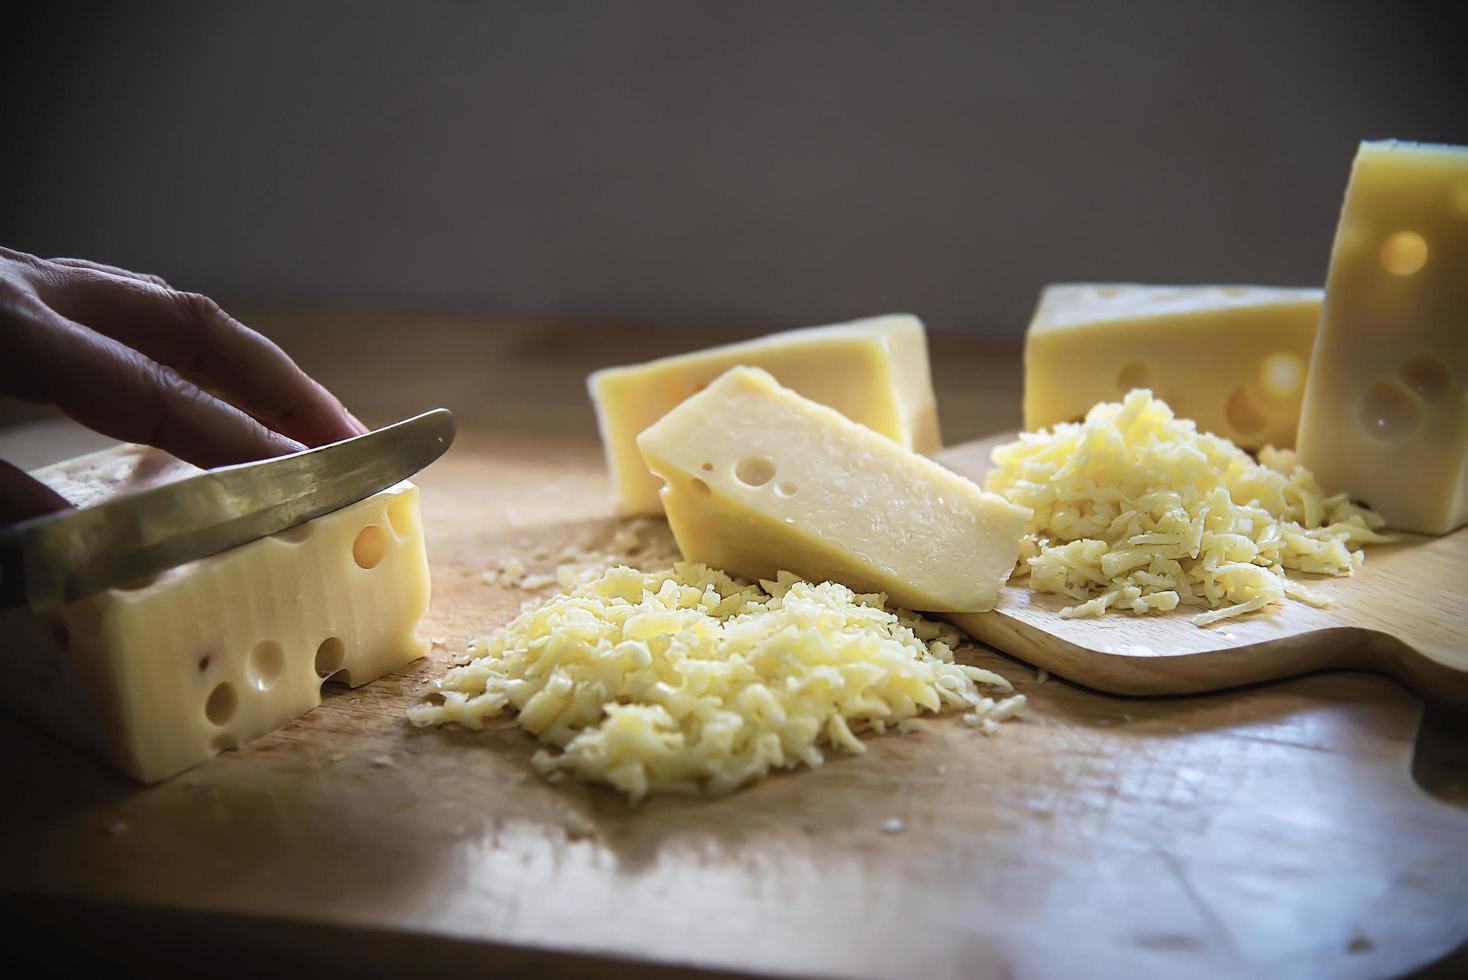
{"x":23,"y":497}
{"x":190,"y":333}
{"x":121,"y":393}
{"x":110,"y":270}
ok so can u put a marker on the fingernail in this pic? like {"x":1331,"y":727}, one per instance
{"x":362,"y":430}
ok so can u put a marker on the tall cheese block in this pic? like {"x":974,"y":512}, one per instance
{"x":873,"y":371}
{"x":161,"y":676}
{"x":1231,"y":358}
{"x":1385,"y":415}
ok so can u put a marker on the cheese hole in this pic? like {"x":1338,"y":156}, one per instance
{"x":754,"y":471}
{"x":295,"y":535}
{"x":223,"y":743}
{"x":402,"y":515}
{"x":1282,"y":374}
{"x":330,"y":656}
{"x":700,"y":487}
{"x":265,"y":664}
{"x":204,"y":663}
{"x":1388,"y":411}
{"x":138,"y":584}
{"x":1426,"y":375}
{"x":785,"y":488}
{"x":223,"y":701}
{"x":707,"y":467}
{"x":1242,"y":414}
{"x":1404,"y":253}
{"x":370,"y":546}
{"x":1134,"y":375}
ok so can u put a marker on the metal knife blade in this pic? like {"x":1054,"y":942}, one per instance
{"x":52,"y":560}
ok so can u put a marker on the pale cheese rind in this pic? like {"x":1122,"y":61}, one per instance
{"x":1232,"y":358}
{"x":1386,"y":413}
{"x":158,"y":678}
{"x":761,"y":480}
{"x":874,"y":371}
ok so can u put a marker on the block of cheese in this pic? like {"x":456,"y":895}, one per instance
{"x":761,"y":480}
{"x":1232,"y":358}
{"x":1386,"y":416}
{"x":162,"y":675}
{"x":873,"y":371}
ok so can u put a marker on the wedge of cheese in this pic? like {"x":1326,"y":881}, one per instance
{"x":761,"y":480}
{"x":1386,"y":414}
{"x":163,"y":675}
{"x":873,"y":371}
{"x":1232,"y":358}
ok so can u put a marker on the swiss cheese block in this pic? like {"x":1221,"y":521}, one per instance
{"x":163,"y":675}
{"x":1385,"y":417}
{"x":760,"y":480}
{"x":1232,"y":358}
{"x":874,"y":371}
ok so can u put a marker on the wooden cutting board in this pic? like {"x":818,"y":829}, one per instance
{"x":1404,"y":613}
{"x":1303,"y":828}
{"x":1273,"y":831}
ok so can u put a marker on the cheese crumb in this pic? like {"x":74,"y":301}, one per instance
{"x":1134,"y":509}
{"x":577,"y":826}
{"x":633,"y":543}
{"x":686,"y":681}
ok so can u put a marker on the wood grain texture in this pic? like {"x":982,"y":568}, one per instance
{"x":1404,"y":613}
{"x":1269,"y":831}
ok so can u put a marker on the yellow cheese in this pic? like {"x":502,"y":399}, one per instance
{"x":1232,"y":358}
{"x":1385,"y":416}
{"x":163,"y":675}
{"x":685,"y":681}
{"x":873,"y":371}
{"x":761,"y":480}
{"x":1136,"y":509}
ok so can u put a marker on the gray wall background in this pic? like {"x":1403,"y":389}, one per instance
{"x":693,"y":162}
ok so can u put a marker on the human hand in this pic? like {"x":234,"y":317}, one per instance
{"x":131,"y":357}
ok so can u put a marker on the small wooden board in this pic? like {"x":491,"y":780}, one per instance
{"x":1404,"y":613}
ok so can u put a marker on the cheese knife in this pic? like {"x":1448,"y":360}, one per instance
{"x":49,"y":561}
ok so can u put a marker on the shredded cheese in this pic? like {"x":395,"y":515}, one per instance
{"x":687,"y":681}
{"x":1135,"y":509}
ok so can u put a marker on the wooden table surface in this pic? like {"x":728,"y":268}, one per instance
{"x":1317,"y":827}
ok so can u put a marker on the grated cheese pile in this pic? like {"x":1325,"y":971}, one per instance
{"x":1135,"y":509}
{"x":686,"y":681}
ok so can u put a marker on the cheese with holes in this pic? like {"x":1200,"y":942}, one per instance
{"x":873,"y":371}
{"x":163,"y":675}
{"x":761,"y":480}
{"x":1386,"y":414}
{"x":1232,"y":358}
